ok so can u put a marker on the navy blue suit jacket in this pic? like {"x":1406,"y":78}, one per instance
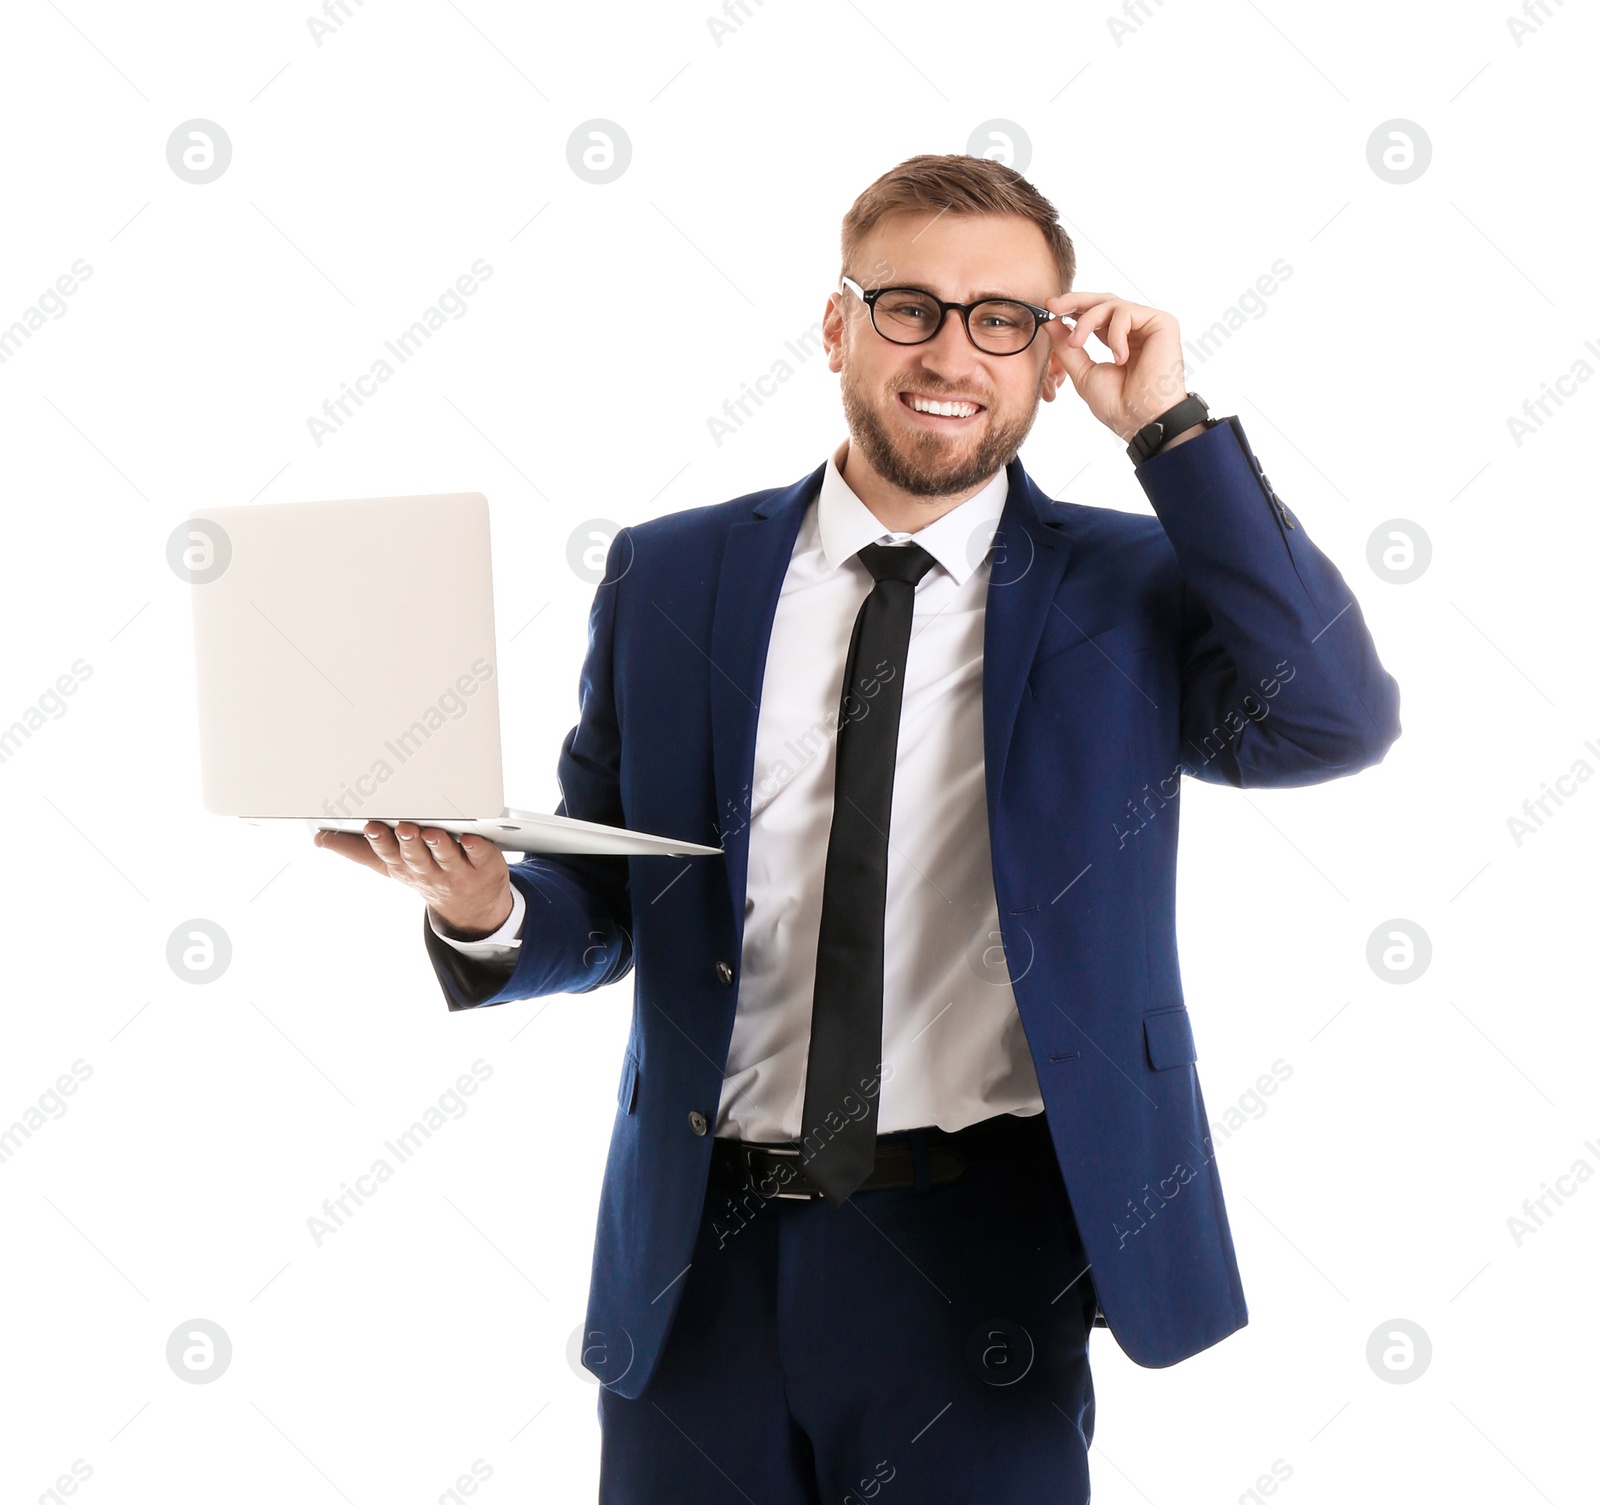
{"x":1120,"y":652}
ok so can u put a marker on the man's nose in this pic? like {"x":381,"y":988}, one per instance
{"x":950,"y":352}
{"x":953,"y":333}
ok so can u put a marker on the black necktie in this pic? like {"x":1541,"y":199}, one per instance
{"x":839,"y":1123}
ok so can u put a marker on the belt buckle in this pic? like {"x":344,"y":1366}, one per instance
{"x":749,"y":1151}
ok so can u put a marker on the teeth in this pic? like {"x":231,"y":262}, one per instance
{"x":943,"y":409}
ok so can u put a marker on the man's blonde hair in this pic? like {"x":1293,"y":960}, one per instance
{"x":955,"y":184}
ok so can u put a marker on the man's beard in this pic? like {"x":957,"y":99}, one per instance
{"x":921,"y":463}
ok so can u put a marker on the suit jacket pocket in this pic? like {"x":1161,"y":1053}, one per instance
{"x":1169,"y":1038}
{"x":628,"y":1088}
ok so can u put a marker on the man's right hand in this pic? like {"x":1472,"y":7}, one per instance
{"x":465,"y":884}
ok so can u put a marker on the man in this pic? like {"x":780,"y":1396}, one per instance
{"x":909,"y":1101}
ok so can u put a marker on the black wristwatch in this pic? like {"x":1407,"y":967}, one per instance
{"x":1175,"y":420}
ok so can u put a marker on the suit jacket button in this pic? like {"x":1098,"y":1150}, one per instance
{"x":725,"y":974}
{"x":697,"y":1121}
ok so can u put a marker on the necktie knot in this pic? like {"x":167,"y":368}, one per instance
{"x":908,"y":562}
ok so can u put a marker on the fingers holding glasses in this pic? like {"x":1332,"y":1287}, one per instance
{"x":1116,"y":335}
{"x":1079,"y":299}
{"x":1096,"y":314}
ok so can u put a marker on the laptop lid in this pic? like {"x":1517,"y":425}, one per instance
{"x":345,"y":659}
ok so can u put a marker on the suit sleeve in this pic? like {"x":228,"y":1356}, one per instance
{"x":577,"y":933}
{"x":1281,"y":681}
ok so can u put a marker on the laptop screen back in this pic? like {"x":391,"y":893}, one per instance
{"x":345,"y":659}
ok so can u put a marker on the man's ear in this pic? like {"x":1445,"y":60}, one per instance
{"x":833,"y":332}
{"x":1054,"y":377}
{"x":1055,"y":371}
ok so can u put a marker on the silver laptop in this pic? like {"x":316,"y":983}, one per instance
{"x":346,"y":672}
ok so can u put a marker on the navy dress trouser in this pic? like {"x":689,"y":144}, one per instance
{"x":921,"y":1345}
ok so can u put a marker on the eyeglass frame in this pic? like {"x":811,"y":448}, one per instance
{"x":1041,"y":316}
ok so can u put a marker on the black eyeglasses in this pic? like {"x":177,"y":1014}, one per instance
{"x":913,"y":316}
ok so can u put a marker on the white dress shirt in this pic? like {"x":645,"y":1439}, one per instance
{"x":954,"y":1050}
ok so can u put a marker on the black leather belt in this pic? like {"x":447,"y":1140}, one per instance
{"x":778,"y":1170}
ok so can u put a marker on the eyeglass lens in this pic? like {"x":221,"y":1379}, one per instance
{"x":909,"y":317}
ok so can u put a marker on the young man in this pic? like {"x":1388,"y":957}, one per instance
{"x":910,"y":1101}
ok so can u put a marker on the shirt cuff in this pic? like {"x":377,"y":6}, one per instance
{"x":503,"y":945}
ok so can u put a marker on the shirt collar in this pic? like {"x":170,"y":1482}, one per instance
{"x":954,"y":540}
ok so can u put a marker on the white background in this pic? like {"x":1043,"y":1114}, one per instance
{"x":367,"y":174}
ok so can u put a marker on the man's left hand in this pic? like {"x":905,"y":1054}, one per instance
{"x":1145,"y":375}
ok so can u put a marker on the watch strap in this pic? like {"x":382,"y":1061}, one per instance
{"x":1182,"y":415}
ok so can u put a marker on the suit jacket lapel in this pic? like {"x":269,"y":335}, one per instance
{"x":755,"y":559}
{"x":1027,"y":562}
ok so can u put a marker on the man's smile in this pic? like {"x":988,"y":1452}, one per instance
{"x":940,"y":412}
